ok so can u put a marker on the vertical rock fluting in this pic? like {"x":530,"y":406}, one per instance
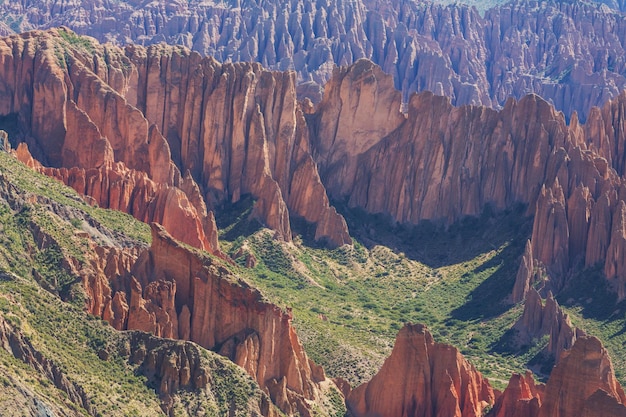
{"x":570,"y":53}
{"x":581,"y":384}
{"x":91,"y":137}
{"x":422,"y":378}
{"x":521,"y":398}
{"x":238,"y":130}
{"x":580,"y":374}
{"x":174,"y":292}
{"x":442,"y":163}
{"x":235,"y":129}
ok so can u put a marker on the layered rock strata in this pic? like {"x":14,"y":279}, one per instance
{"x":422,"y":378}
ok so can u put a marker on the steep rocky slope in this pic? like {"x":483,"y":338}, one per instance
{"x":570,"y":53}
{"x":146,"y":115}
{"x":170,"y":290}
{"x":58,"y":360}
{"x":582,"y":383}
{"x":441,"y":163}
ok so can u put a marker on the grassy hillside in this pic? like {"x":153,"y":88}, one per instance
{"x":55,"y":358}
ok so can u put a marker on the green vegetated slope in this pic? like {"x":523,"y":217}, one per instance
{"x":55,"y":358}
{"x":349,"y":302}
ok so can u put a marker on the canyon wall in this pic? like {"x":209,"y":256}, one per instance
{"x":572,"y":54}
{"x":124,"y":124}
{"x":441,"y":163}
{"x":173,"y":291}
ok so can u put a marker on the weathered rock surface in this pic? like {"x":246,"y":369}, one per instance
{"x":580,"y":373}
{"x":581,"y":384}
{"x":521,"y":398}
{"x":116,"y":187}
{"x":174,"y":292}
{"x":570,"y":53}
{"x":178,"y":366}
{"x":441,"y":163}
{"x":422,"y":378}
{"x":539,"y":320}
{"x":234,"y":129}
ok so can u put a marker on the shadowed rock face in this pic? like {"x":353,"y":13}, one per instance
{"x":441,"y":162}
{"x":125,"y":123}
{"x":539,"y":320}
{"x":570,"y":53}
{"x":422,"y":378}
{"x":236,"y":129}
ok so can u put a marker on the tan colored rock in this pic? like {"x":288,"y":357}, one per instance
{"x":422,"y":378}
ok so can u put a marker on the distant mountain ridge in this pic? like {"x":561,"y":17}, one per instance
{"x":570,"y":53}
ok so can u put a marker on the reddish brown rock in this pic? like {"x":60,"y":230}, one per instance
{"x":539,"y":320}
{"x":521,"y":398}
{"x":422,"y":378}
{"x":527,"y":275}
{"x":175,"y":292}
{"x":581,"y":371}
{"x":236,"y":129}
{"x":551,"y":233}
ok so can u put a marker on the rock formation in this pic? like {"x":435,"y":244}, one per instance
{"x":422,"y":378}
{"x":116,"y":187}
{"x":539,"y":320}
{"x":570,"y":53}
{"x":441,"y":163}
{"x":176,"y":366}
{"x":125,"y":124}
{"x":521,"y":398}
{"x":175,"y":292}
{"x":581,"y":384}
{"x":580,"y":373}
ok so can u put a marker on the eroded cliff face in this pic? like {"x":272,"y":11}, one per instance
{"x":570,"y":53}
{"x":581,"y":384}
{"x":175,"y":292}
{"x":441,"y":163}
{"x":125,"y":124}
{"x":422,"y":378}
{"x":580,"y":373}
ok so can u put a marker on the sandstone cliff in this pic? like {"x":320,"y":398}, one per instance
{"x":441,"y":163}
{"x":422,"y":378}
{"x":581,"y":384}
{"x":521,"y":398}
{"x":174,"y":292}
{"x":570,"y":53}
{"x":125,"y":124}
{"x":581,"y":372}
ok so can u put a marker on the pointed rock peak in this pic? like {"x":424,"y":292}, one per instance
{"x":422,"y":378}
